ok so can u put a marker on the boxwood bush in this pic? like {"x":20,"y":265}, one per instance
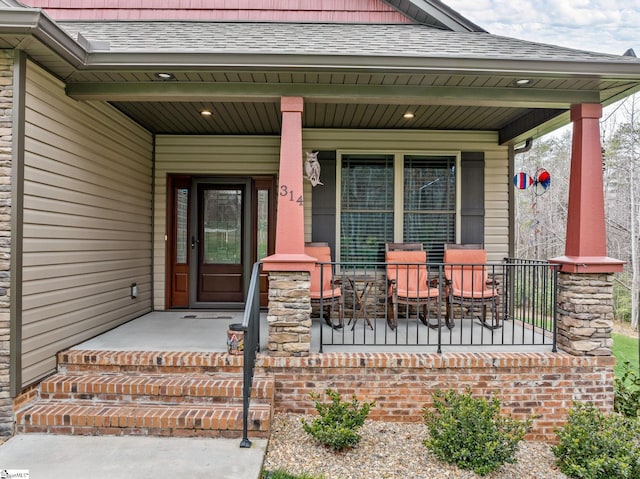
{"x":471,"y":432}
{"x":627,"y":392}
{"x":594,"y":445}
{"x":338,"y":421}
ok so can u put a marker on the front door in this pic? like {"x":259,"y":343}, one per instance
{"x":221,"y":243}
{"x":217,"y":228}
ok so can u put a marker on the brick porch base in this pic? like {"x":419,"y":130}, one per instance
{"x":156,"y":393}
{"x":541,"y":384}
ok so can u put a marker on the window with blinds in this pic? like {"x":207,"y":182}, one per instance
{"x":429,"y":203}
{"x":366,"y":216}
{"x":426,"y":201}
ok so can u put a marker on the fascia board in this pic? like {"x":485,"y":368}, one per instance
{"x":446,"y":15}
{"x":616,"y":71}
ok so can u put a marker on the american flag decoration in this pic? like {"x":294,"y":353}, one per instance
{"x":540,"y":181}
{"x":522,"y":181}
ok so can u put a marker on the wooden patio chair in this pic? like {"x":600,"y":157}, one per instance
{"x":408,"y":284}
{"x":324,"y":290}
{"x":467,"y":283}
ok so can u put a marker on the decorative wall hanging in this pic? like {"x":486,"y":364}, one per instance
{"x":539,"y":182}
{"x":312,"y":168}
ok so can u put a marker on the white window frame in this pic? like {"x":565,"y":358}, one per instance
{"x":398,"y":188}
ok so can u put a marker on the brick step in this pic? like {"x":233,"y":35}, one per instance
{"x":75,"y":360}
{"x":167,"y":388}
{"x":103,"y":418}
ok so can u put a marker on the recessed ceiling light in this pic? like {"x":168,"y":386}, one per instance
{"x":408,"y":115}
{"x":523,"y":82}
{"x":164,"y":76}
{"x":206,"y":113}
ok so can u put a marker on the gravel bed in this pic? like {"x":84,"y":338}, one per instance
{"x":388,"y":450}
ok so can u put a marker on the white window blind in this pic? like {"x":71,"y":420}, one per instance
{"x":429,"y":202}
{"x":366,"y":217}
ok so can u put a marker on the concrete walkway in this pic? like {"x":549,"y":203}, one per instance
{"x":124,"y":457}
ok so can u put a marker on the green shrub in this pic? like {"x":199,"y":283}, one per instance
{"x":337,"y":422}
{"x":471,"y":433}
{"x":627,"y":392}
{"x":280,"y":474}
{"x":593,"y":445}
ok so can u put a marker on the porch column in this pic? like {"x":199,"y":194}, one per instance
{"x":586,"y":237}
{"x":585,"y":296}
{"x":289,"y":268}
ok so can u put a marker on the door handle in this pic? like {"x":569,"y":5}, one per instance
{"x":194,"y":242}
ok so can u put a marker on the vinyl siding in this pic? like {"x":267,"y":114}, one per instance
{"x":87,"y":222}
{"x":205,"y":156}
{"x":255,"y":155}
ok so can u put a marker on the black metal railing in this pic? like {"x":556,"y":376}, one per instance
{"x":532,"y":294}
{"x":513,"y":304}
{"x":251,"y":328}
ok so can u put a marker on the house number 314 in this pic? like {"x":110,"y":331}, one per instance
{"x":285,"y":191}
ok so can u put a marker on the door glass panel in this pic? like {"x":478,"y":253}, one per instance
{"x":223,"y":226}
{"x":182,"y":208}
{"x":263,"y":223}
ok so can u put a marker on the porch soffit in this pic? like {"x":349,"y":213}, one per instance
{"x":466,"y":87}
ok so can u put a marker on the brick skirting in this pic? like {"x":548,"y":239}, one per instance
{"x":540,"y":384}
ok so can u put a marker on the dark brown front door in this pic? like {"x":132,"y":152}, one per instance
{"x":221,"y":243}
{"x":217,"y":228}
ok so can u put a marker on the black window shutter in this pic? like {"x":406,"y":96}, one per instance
{"x":472,"y":192}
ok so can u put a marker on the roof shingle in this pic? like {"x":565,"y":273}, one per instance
{"x":394,"y":40}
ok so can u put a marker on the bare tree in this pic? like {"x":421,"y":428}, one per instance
{"x":622,"y":193}
{"x":540,"y":214}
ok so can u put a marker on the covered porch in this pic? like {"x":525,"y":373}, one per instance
{"x":147,"y":177}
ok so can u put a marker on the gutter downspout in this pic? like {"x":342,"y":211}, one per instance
{"x":17,"y":225}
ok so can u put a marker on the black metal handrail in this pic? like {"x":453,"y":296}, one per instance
{"x":518,"y":307}
{"x":251,"y":328}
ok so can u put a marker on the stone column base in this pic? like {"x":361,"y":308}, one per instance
{"x":289,"y":315}
{"x":585,"y":313}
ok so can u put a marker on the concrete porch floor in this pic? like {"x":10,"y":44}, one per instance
{"x":185,"y":331}
{"x":206,"y":331}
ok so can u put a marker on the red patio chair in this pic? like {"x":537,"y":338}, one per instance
{"x":324,"y":290}
{"x":466,"y":275}
{"x":408,"y":284}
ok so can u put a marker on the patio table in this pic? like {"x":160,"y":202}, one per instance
{"x":361,"y":285}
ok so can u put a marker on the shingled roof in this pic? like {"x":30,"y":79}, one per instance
{"x":405,"y":40}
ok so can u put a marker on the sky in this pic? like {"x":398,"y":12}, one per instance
{"x":606,"y":26}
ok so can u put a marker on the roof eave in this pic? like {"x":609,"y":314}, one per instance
{"x":33,"y":21}
{"x":103,"y":60}
{"x":447,"y":15}
{"x":436,"y":10}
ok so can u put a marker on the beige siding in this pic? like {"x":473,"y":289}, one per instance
{"x":87,"y":222}
{"x":208,"y":156}
{"x":496,"y":229}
